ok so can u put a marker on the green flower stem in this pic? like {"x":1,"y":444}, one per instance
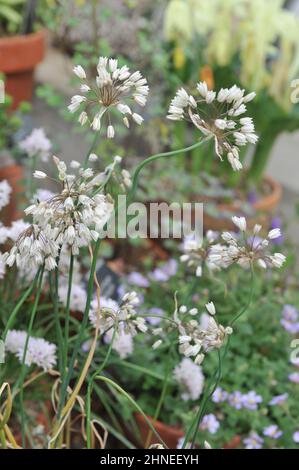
{"x":162,"y":397}
{"x":58,"y":328}
{"x":218,"y":374}
{"x":77,"y":345}
{"x":67,"y":313}
{"x":242,"y":311}
{"x":24,"y":367}
{"x":157,"y":157}
{"x":19,"y":304}
{"x":91,"y":149}
{"x":206,"y":400}
{"x":140,"y":369}
{"x":89,"y":389}
{"x":139,"y":168}
{"x":132,"y":402}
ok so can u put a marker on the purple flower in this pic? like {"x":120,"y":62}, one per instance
{"x":272,"y":431}
{"x":219,"y":396}
{"x":165,"y":271}
{"x":210,"y":423}
{"x":252,"y":197}
{"x":279,"y":399}
{"x":251,"y":400}
{"x":253,"y":441}
{"x":155,"y":311}
{"x":290,"y":313}
{"x":137,"y":279}
{"x":235,"y":399}
{"x":296,"y":437}
{"x":289,"y":326}
{"x":294,"y":377}
{"x":277,"y":223}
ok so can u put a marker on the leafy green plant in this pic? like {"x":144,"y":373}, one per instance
{"x":266,"y":61}
{"x":11,"y":16}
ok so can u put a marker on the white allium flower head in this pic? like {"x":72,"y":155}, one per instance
{"x":123,"y":316}
{"x":115,"y":87}
{"x":76,"y":216}
{"x":122,"y":343}
{"x":39,"y":351}
{"x":246,"y":251}
{"x":5,"y":191}
{"x":207,"y":114}
{"x":33,"y":248}
{"x":37,"y":145}
{"x":78,"y":296}
{"x":190,"y":378}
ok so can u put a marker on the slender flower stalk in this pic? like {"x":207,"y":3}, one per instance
{"x":67,"y":310}
{"x":24,"y":367}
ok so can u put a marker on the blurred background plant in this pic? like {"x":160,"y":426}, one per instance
{"x":253,"y":41}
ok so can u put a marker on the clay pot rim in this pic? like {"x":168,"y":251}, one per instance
{"x":175,"y":431}
{"x":270,"y":199}
{"x":22,"y":52}
{"x":265,"y":203}
{"x":9,"y":169}
{"x":12,"y":41}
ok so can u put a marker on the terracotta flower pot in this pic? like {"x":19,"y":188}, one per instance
{"x":263,"y":208}
{"x":19,"y":56}
{"x":14,"y":175}
{"x":233,"y":443}
{"x":170,"y":434}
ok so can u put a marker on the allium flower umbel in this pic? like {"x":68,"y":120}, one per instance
{"x":5,"y":191}
{"x":114,"y":88}
{"x":196,"y":252}
{"x":194,"y":338}
{"x":218,"y":115}
{"x":190,"y":378}
{"x":74,"y":217}
{"x":39,"y":351}
{"x":122,"y":316}
{"x":246,"y":249}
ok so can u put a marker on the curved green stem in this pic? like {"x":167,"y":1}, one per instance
{"x":157,"y":157}
{"x":133,"y":402}
{"x":67,"y":313}
{"x":89,"y":389}
{"x":24,"y":367}
{"x":77,"y":345}
{"x":196,"y":422}
{"x":58,"y":328}
{"x":206,"y":400}
{"x":162,"y":396}
{"x":19,"y":304}
{"x":92,"y":147}
{"x":242,"y":311}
